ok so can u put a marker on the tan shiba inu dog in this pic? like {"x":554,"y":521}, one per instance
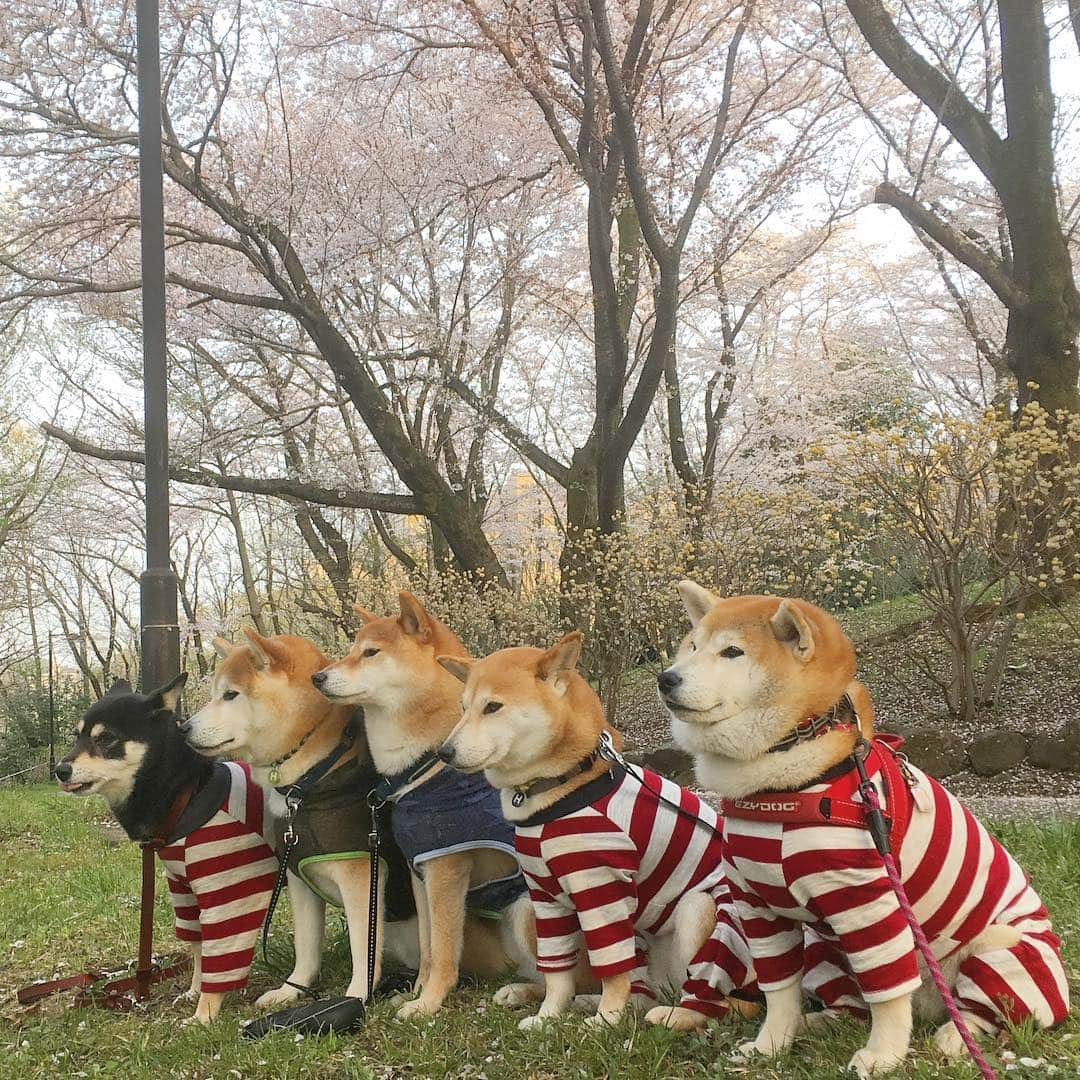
{"x":263,"y":710}
{"x":762,"y":692}
{"x":616,"y":863}
{"x":410,"y":705}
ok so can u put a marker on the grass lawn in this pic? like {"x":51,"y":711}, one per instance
{"x":68,"y":901}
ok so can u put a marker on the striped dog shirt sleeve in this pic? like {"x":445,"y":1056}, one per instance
{"x":591,"y":866}
{"x":185,"y":909}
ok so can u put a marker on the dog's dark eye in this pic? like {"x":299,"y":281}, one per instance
{"x":109,"y":745}
{"x":731,"y":652}
{"x":492,"y":706}
{"x":693,"y":647}
{"x":230,"y":694}
{"x":370,"y":652}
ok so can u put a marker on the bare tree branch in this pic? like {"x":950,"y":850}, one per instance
{"x":279,"y":487}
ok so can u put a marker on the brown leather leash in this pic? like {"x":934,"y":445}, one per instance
{"x":120,"y":994}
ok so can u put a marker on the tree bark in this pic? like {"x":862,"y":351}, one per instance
{"x":1036,"y":284}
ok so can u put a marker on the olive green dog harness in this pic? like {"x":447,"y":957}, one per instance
{"x":333,"y":824}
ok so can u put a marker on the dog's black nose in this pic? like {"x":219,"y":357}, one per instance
{"x":319,"y":679}
{"x":445,"y":753}
{"x":668,"y":680}
{"x":63,"y":772}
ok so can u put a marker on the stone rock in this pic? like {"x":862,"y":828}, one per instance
{"x":1046,"y":753}
{"x":668,"y":760}
{"x":937,"y":753}
{"x":1070,"y":738}
{"x":997,"y":751}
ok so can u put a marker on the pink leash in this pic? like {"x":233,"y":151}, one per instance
{"x":879,"y":831}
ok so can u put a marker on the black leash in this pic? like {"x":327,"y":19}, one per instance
{"x":294,"y":795}
{"x":375,"y":805}
{"x":606,"y":749}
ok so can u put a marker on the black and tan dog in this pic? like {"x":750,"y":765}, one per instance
{"x":209,"y":819}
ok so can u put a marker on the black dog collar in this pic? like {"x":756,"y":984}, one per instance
{"x":389,"y":786}
{"x":295,"y":792}
{"x":547,"y":783}
{"x":841,"y":717}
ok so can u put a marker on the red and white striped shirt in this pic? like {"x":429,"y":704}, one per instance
{"x":958,"y":877}
{"x":614,"y":869}
{"x":220,"y":878}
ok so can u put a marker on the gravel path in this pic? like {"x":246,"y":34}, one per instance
{"x":1024,"y":807}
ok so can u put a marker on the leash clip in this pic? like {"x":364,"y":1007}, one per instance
{"x":606,"y":748}
{"x":292,"y":807}
{"x":878,"y":825}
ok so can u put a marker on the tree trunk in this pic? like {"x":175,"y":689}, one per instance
{"x":1041,"y":339}
{"x":575,"y":559}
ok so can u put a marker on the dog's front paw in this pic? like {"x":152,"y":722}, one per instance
{"x":676,"y":1018}
{"x":418,"y":1007}
{"x":531,"y":1023}
{"x":283,"y":995}
{"x":948,"y":1040}
{"x":208,"y":1008}
{"x":514,"y":994}
{"x":866,"y":1062}
{"x":766,"y":1044}
{"x":606,"y":1018}
{"x":745,"y":1050}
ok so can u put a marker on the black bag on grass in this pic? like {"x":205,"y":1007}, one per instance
{"x":325,"y":1016}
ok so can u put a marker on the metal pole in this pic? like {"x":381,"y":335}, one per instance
{"x":52,"y":713}
{"x":160,"y":633}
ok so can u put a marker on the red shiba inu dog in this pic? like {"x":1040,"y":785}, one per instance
{"x":630,"y":865}
{"x":471,"y":903}
{"x":763,"y":693}
{"x":263,"y":710}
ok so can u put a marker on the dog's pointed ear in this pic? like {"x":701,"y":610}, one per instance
{"x":121,"y":686}
{"x":458,"y":666}
{"x":365,"y":615}
{"x":221,"y":646}
{"x":414,"y":620}
{"x":168,"y":696}
{"x":793,"y":628}
{"x":697,"y":600}
{"x":266,"y":651}
{"x":255,"y":643}
{"x":559,"y":659}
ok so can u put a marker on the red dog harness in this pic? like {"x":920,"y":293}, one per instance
{"x":820,"y":808}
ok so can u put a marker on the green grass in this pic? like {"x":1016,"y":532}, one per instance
{"x":883,"y":615}
{"x":68,"y":902}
